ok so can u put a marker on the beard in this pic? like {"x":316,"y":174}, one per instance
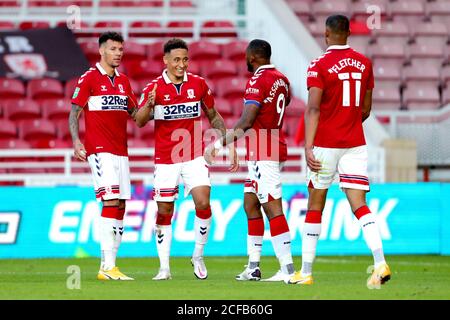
{"x":250,"y":67}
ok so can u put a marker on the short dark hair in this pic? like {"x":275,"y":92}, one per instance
{"x":174,"y":43}
{"x":110,"y":35}
{"x":338,"y":23}
{"x":260,"y":48}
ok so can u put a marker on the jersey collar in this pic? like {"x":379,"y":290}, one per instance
{"x":338,"y":47}
{"x":103,"y":72}
{"x":167,"y":79}
{"x":266,"y":66}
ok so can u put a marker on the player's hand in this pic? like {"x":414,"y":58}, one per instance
{"x":209,"y":154}
{"x":79,"y":151}
{"x":234,"y":159}
{"x":151,"y":98}
{"x":311,"y":161}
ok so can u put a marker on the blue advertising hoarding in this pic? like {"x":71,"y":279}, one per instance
{"x":61,"y":222}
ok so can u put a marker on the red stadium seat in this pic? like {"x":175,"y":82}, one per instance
{"x":50,"y":144}
{"x":10,"y":3}
{"x":11,"y":88}
{"x":181,"y":4}
{"x":360,"y":10}
{"x":217,"y":29}
{"x":90,"y":50}
{"x":55,"y":109}
{"x":26,"y":25}
{"x":223,"y":106}
{"x":59,"y":3}
{"x":385,"y":69}
{"x":326,"y":8}
{"x":302,"y":10}
{"x":410,"y":12}
{"x":430,"y":30}
{"x":138,"y":143}
{"x":235,"y":50}
{"x":421,"y":96}
{"x":20,"y":109}
{"x":8,"y":129}
{"x":295,"y":108}
{"x":45,"y":89}
{"x":180,"y":29}
{"x":194,"y":67}
{"x":317,"y":29}
{"x":147,"y":132}
{"x":392,"y":32}
{"x":155,"y":50}
{"x":37,"y":129}
{"x":102,"y":26}
{"x":386,"y":98}
{"x":391,"y":50}
{"x":136,"y":87}
{"x":218,"y":69}
{"x":134,"y":51}
{"x":70,"y":87}
{"x":14,"y":144}
{"x":204,"y":50}
{"x":145,"y":29}
{"x":422,"y":73}
{"x":432,"y":52}
{"x":7,"y":25}
{"x":146,"y":69}
{"x":231,"y":88}
{"x":131,"y":128}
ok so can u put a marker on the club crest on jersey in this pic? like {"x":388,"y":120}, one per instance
{"x":103,"y":88}
{"x":121,"y":88}
{"x":190,"y":94}
{"x":166,"y":97}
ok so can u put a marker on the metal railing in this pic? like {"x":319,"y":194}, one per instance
{"x":52,"y":167}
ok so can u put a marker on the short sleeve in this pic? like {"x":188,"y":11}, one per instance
{"x":82,"y":91}
{"x":207,"y":96}
{"x":254,"y":93}
{"x":131,"y":96}
{"x":314,"y":76}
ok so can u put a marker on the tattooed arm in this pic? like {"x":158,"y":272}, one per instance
{"x":79,"y":150}
{"x":216,"y":121}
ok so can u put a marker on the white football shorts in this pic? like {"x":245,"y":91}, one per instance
{"x":350,"y":163}
{"x":111,"y":176}
{"x":194,"y":173}
{"x":264,"y":180}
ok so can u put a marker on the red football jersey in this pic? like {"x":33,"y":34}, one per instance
{"x":105,"y":105}
{"x":268,"y":89}
{"x":344,"y":75}
{"x":178,"y":126}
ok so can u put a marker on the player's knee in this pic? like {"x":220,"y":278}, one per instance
{"x":165,"y":207}
{"x":202,"y":204}
{"x":111,"y":203}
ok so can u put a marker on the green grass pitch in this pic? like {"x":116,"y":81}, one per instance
{"x":344,"y":277}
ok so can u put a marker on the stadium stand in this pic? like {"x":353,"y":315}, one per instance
{"x":410,"y":52}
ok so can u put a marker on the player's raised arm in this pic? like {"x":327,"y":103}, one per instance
{"x":146,"y":111}
{"x":312,"y":114}
{"x":79,"y":150}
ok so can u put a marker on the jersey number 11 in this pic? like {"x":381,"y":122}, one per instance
{"x":345,"y":77}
